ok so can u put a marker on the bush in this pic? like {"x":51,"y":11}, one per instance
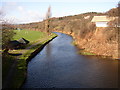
{"x":86,"y":27}
{"x":111,"y":34}
{"x":7,"y":34}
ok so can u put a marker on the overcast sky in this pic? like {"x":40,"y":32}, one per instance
{"x":26,"y":11}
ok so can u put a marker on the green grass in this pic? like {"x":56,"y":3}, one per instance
{"x":7,"y":62}
{"x":82,"y":52}
{"x":20,"y":74}
{"x":28,"y":52}
{"x":20,"y":69}
{"x":74,"y":43}
{"x":29,"y":35}
{"x":87,"y":53}
{"x":21,"y":66}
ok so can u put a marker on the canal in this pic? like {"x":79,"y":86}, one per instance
{"x":59,"y":65}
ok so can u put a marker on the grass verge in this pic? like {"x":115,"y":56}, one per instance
{"x":7,"y":62}
{"x":82,"y":52}
{"x":22,"y":64}
{"x":93,"y":55}
{"x":37,"y":39}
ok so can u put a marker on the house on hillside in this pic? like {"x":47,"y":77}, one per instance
{"x":101,"y":21}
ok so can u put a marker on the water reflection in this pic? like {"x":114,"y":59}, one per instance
{"x":58,"y":65}
{"x":48,"y":50}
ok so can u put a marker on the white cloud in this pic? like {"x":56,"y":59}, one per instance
{"x":28,"y":16}
{"x":16,"y":13}
{"x":20,"y":8}
{"x":19,"y":14}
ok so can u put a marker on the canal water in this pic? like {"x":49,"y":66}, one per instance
{"x":59,"y":65}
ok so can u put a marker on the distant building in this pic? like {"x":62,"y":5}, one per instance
{"x":23,"y":41}
{"x":101,"y":21}
{"x":18,"y":29}
{"x":18,"y":44}
{"x":14,"y":44}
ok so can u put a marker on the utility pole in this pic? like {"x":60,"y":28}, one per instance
{"x":47,"y":21}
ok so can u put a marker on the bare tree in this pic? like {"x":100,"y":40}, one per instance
{"x":7,"y":31}
{"x":47,"y":21}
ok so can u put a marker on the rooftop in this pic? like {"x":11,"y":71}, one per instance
{"x":102,"y":19}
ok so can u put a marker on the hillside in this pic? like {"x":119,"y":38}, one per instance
{"x":101,"y":41}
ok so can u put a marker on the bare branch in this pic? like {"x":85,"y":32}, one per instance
{"x":48,"y":14}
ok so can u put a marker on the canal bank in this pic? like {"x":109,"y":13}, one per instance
{"x":31,"y":54}
{"x":96,"y":44}
{"x":59,"y":65}
{"x":18,"y":71}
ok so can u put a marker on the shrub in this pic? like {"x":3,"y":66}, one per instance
{"x":7,"y":34}
{"x":111,"y":34}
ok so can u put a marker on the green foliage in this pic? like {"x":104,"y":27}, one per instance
{"x":7,"y":34}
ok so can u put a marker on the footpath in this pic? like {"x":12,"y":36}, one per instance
{"x":18,"y":71}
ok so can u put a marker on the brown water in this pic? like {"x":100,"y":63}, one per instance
{"x":59,"y":65}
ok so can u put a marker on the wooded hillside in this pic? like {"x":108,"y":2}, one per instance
{"x":84,"y":32}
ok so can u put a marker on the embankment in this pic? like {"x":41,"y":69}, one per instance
{"x":33,"y":54}
{"x":96,"y":43}
{"x":23,"y":60}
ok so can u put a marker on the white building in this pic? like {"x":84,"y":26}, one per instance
{"x":101,"y":21}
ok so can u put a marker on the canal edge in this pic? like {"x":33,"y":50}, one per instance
{"x":32,"y":55}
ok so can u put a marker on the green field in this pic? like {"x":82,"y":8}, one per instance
{"x":29,"y":35}
{"x":37,"y":39}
